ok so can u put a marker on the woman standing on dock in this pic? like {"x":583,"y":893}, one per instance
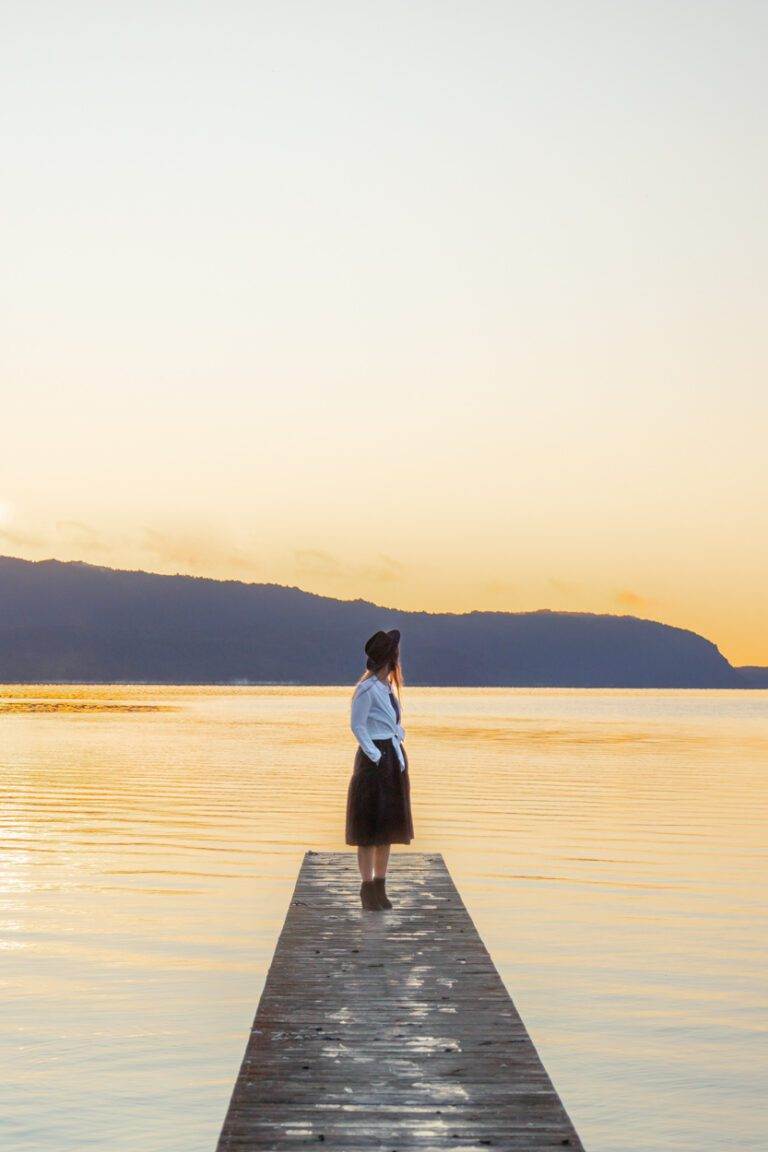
{"x":379,"y":793}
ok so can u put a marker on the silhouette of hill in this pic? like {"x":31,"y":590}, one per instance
{"x":79,"y":622}
{"x":753,"y":676}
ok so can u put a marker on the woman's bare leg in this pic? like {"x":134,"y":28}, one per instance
{"x":380,"y":859}
{"x":365,"y":861}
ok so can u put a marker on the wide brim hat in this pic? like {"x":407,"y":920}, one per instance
{"x":381,"y":647}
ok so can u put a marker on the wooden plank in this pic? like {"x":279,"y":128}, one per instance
{"x":388,"y":1030}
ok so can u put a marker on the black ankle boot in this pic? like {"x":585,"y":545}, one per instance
{"x":368,"y":897}
{"x":381,"y":892}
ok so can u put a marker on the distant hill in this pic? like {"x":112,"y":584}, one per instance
{"x":78,"y":622}
{"x":754,"y":676}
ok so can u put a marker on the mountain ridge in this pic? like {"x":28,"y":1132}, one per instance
{"x":78,"y":621}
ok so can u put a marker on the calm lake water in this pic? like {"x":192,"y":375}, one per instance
{"x":610,"y":845}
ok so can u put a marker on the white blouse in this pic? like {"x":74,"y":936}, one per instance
{"x":374,"y":718}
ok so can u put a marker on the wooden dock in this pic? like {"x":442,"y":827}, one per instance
{"x":388,"y":1030}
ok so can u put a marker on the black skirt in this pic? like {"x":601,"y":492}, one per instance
{"x":379,"y":799}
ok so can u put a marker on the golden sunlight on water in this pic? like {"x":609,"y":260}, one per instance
{"x":610,"y":846}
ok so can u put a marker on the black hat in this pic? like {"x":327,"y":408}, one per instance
{"x":380,"y":647}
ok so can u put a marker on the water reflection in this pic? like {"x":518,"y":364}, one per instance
{"x":610,"y":845}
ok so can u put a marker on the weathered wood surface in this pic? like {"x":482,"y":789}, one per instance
{"x":388,"y":1030}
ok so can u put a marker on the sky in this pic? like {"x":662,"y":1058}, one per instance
{"x":447,"y":306}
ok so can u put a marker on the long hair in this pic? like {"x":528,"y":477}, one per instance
{"x":394,"y":671}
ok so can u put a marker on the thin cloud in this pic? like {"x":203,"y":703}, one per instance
{"x":565,"y":587}
{"x":629,"y":599}
{"x":498,"y":587}
{"x":197,"y":551}
{"x":384,"y":569}
{"x":314,"y":563}
{"x":24,"y":539}
{"x":83,"y":536}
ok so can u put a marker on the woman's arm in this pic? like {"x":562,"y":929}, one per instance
{"x":361,"y":706}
